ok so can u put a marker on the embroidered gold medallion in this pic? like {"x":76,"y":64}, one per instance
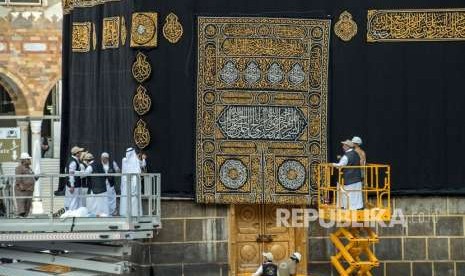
{"x":81,"y":37}
{"x":144,"y":29}
{"x":124,"y":31}
{"x":172,"y":29}
{"x":110,"y":34}
{"x":141,"y":134}
{"x":345,"y":28}
{"x":141,"y":68}
{"x":141,"y":101}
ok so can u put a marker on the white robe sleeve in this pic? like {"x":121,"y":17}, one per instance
{"x":259,"y":271}
{"x":343,"y":162}
{"x":71,"y":170}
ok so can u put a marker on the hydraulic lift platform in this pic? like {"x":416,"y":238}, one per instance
{"x":44,"y":244}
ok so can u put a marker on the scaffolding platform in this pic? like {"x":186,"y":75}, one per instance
{"x":71,"y":259}
{"x":77,"y":229}
{"x":354,"y":242}
{"x":329,"y":212}
{"x":43,"y":243}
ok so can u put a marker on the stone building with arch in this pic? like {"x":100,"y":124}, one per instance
{"x":30,"y":68}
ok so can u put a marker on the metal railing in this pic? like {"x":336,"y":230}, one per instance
{"x":141,"y":191}
{"x":374,"y":189}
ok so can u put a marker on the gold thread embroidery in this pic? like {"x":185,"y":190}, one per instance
{"x":81,"y":37}
{"x":66,"y":4}
{"x":345,"y":28}
{"x":236,"y":30}
{"x":287,"y":31}
{"x":266,"y":46}
{"x":111,"y":32}
{"x":141,"y":101}
{"x":286,"y":61}
{"x":416,"y":25}
{"x":141,"y":134}
{"x":316,"y":55}
{"x":210,"y":64}
{"x":172,"y":29}
{"x":141,"y":68}
{"x":69,"y":5}
{"x":144,"y":29}
{"x":124,"y":31}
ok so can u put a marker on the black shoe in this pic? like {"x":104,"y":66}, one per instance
{"x":59,"y":192}
{"x":59,"y":213}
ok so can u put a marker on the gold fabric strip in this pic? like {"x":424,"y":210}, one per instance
{"x":416,"y":25}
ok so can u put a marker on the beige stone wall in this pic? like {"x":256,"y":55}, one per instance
{"x":30,"y":55}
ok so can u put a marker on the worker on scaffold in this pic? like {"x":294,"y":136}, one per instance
{"x":350,"y":194}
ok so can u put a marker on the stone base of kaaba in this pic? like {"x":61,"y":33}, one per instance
{"x":195,"y":239}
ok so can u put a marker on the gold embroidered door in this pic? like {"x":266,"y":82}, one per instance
{"x":262,"y":88}
{"x":253,"y":230}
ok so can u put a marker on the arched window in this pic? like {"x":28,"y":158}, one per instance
{"x":50,"y":108}
{"x":6,"y":104}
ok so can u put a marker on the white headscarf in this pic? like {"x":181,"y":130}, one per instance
{"x":130,"y":163}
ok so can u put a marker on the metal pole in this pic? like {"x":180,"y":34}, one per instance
{"x":52,"y":204}
{"x":129,"y":197}
{"x":158,"y":193}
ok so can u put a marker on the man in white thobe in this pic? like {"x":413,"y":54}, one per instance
{"x":73,"y":187}
{"x":350,"y":195}
{"x":110,"y":167}
{"x":130,"y":190}
{"x":96,"y":201}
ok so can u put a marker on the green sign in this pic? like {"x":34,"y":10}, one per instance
{"x":10,"y":144}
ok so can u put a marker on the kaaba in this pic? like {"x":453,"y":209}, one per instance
{"x":239,"y":104}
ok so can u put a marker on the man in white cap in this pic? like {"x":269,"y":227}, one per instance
{"x":97,"y":200}
{"x":289,"y":267}
{"x":129,"y":188}
{"x":86,"y":159}
{"x":357,"y":143}
{"x":73,"y":199}
{"x":268,"y":268}
{"x":351,"y":195}
{"x":24,"y":186}
{"x":110,"y":167}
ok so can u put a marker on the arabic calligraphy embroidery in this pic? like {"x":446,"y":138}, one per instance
{"x":415,"y":25}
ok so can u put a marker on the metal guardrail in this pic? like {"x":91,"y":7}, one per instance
{"x":334,"y":195}
{"x":27,"y":117}
{"x":145,"y":188}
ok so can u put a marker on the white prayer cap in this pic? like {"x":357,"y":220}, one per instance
{"x":297,"y":256}
{"x":76,"y":149}
{"x":88,"y":156}
{"x":348,"y":143}
{"x":357,"y":140}
{"x":25,"y":156}
{"x":268,"y":256}
{"x":105,"y":155}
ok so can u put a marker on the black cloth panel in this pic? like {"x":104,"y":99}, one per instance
{"x":405,"y":99}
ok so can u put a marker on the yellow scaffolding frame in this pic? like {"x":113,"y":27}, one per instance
{"x":354,"y":255}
